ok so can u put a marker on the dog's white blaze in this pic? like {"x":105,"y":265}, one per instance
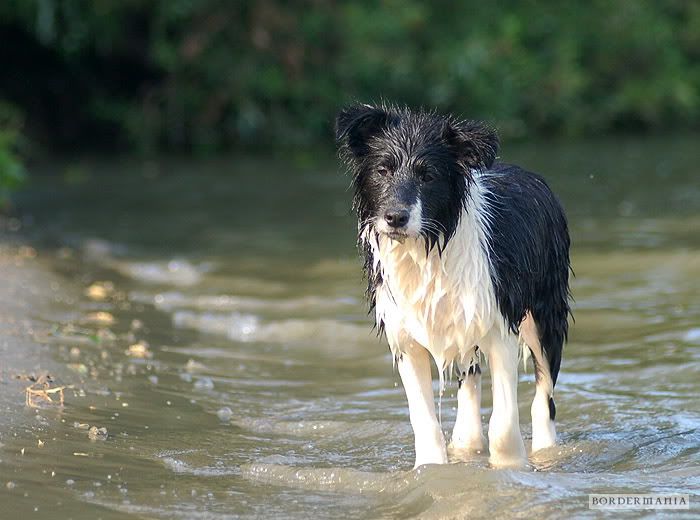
{"x":413,"y":227}
{"x":446,"y":303}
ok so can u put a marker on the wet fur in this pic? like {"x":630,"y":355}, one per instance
{"x":492,"y":254}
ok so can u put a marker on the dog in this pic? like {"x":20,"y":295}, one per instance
{"x":464,"y":257}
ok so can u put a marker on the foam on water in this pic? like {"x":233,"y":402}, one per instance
{"x":170,"y":301}
{"x":328,"y":431}
{"x":248,"y":327}
{"x":177,"y":272}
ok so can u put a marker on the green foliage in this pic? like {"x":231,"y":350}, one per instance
{"x":203,"y":75}
{"x":11,"y":168}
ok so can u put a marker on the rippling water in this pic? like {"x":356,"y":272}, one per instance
{"x":210,"y":317}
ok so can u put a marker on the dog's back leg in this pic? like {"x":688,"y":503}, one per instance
{"x":543,"y":409}
{"x":468,"y":430}
{"x":414,"y":368}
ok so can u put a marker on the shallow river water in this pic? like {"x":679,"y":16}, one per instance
{"x":210,"y":316}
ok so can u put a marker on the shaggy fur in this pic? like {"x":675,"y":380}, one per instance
{"x":459,"y":252}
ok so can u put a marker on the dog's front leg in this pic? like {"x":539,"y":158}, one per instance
{"x":506,"y":447}
{"x":414,"y":368}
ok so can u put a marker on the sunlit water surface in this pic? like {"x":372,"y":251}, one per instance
{"x":210,"y":316}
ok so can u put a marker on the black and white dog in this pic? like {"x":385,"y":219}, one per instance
{"x":463,"y":256}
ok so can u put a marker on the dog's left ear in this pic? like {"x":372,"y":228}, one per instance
{"x":356,"y":124}
{"x":475,"y":144}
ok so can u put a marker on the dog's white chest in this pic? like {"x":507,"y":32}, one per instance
{"x":445,"y":302}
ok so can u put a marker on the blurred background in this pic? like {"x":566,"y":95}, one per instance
{"x":177,"y":253}
{"x":206,"y":76}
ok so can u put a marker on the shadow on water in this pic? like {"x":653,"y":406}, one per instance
{"x":210,"y":316}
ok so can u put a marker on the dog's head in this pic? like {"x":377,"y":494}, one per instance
{"x":412,"y":170}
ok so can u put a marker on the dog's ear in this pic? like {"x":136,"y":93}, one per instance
{"x":475,"y":144}
{"x":356,"y":124}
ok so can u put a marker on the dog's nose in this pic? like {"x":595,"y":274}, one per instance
{"x":397,"y":218}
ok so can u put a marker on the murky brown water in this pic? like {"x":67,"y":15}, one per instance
{"x":211,"y":319}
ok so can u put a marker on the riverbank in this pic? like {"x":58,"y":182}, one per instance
{"x":29,"y":295}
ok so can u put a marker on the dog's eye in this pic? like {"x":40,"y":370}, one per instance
{"x":427,"y":177}
{"x":383,"y":170}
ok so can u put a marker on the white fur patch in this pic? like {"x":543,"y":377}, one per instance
{"x":446,"y":303}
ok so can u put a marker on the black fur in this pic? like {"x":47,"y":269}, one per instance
{"x":474,"y":369}
{"x":529,"y":243}
{"x":552,"y":409}
{"x":396,"y":155}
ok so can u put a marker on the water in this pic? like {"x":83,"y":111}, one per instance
{"x":209,"y":315}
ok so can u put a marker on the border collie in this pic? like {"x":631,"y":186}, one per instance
{"x":464,"y":257}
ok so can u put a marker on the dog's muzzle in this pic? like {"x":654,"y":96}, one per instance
{"x":400,"y":222}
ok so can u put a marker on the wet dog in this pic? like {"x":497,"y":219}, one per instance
{"x":464,"y":256}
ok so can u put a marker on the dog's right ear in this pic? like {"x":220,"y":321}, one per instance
{"x":475,"y":143}
{"x":356,"y":124}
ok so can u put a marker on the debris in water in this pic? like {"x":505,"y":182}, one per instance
{"x":139,"y":350}
{"x":40,"y":443}
{"x":99,"y":291}
{"x":224,"y":414}
{"x":100,"y":318}
{"x":42,"y":391}
{"x":97,"y":434}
